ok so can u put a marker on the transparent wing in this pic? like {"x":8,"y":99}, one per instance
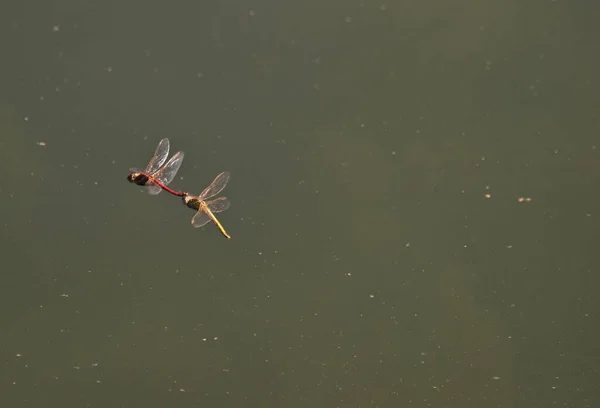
{"x":152,"y":188}
{"x":167,"y":173}
{"x":200,"y":219}
{"x":218,"y":205}
{"x":216,"y":186}
{"x":160,"y":155}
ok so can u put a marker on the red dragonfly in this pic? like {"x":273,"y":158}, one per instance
{"x":156,"y":178}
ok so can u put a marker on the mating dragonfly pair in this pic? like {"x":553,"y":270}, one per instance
{"x":156,"y":178}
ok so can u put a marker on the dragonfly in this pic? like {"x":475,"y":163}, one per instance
{"x":156,"y":178}
{"x":206,"y":210}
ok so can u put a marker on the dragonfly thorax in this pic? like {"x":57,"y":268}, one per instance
{"x":138,"y":178}
{"x":192,"y":202}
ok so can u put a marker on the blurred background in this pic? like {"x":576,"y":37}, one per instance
{"x":414,"y":213}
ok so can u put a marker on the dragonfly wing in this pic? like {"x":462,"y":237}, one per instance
{"x":152,"y":188}
{"x":216,"y":186}
{"x":167,"y":173}
{"x":218,"y":205}
{"x":160,"y":156}
{"x":200,"y":219}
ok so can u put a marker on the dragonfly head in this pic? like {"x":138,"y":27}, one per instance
{"x":138,"y":178}
{"x":191,"y":201}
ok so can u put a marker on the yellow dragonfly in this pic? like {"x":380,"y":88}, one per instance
{"x":208,"y":209}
